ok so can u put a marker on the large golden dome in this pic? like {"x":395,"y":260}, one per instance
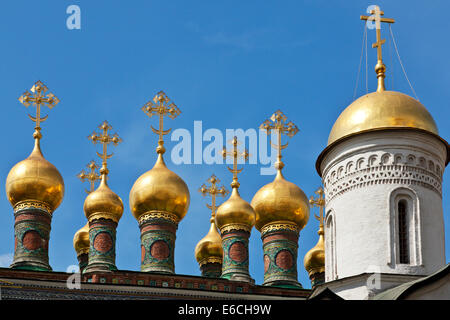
{"x":103,"y":203}
{"x":381,"y":110}
{"x":159,"y":189}
{"x":314,"y":260}
{"x":209,"y":249}
{"x":280,"y":200}
{"x":81,"y":240}
{"x":235,"y":211}
{"x":35,"y":179}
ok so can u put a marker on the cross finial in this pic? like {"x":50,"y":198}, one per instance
{"x":92,"y":176}
{"x":104,"y":138}
{"x":161,"y":106}
{"x":278,"y":123}
{"x":213,"y":190}
{"x":319,"y":202}
{"x":380,"y":68}
{"x":39,"y":98}
{"x":235,"y":154}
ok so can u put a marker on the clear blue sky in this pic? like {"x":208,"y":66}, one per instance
{"x":230,"y":64}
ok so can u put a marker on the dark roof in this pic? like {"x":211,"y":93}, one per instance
{"x":403,"y":290}
{"x":324,"y":293}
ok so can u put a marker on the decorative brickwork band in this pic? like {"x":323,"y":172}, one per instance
{"x":317,"y":278}
{"x":31,"y":236}
{"x":211,"y":269}
{"x":280,"y":246}
{"x":235,"y":254}
{"x":102,"y":250}
{"x":83,"y":260}
{"x":158,"y":234}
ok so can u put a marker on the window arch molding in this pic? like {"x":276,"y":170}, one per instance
{"x":330,"y":245}
{"x":407,"y":198}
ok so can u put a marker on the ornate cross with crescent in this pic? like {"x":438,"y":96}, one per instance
{"x":38,"y":97}
{"x":278,"y":123}
{"x":92,"y":176}
{"x":235,"y":154}
{"x":318,"y":202}
{"x":105,"y":138}
{"x":213,"y":190}
{"x":161,"y":106}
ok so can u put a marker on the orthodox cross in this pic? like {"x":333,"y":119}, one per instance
{"x":213,"y":190}
{"x":235,"y":154}
{"x":38,"y":97}
{"x":92,"y":176}
{"x":380,"y":68}
{"x":161,"y":106}
{"x":320,"y":203}
{"x":278,"y":124}
{"x":104,"y":138}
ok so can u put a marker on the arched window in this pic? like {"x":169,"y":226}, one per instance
{"x":330,"y":247}
{"x":403,"y":232}
{"x":405,"y":249}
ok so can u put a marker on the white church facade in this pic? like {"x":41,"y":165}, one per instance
{"x":382,"y":174}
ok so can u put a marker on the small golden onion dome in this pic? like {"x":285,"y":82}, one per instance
{"x":382,"y":110}
{"x":81,"y":240}
{"x":209,"y":249}
{"x":314,"y":260}
{"x":36,"y":179}
{"x":103,"y":203}
{"x":235,"y":211}
{"x":159,"y":189}
{"x":280,"y":200}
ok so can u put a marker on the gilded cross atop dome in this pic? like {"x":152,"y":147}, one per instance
{"x":91,"y":176}
{"x":380,"y":68}
{"x":236,"y":155}
{"x":38,"y":97}
{"x":161,"y":106}
{"x":278,"y":124}
{"x":105,"y":139}
{"x":320,"y":203}
{"x":213,"y":190}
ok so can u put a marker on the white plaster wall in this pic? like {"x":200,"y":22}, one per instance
{"x":359,"y":175}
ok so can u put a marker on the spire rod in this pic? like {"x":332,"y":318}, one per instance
{"x":38,"y":98}
{"x":161,"y":106}
{"x":380,"y":67}
{"x":278,"y":124}
{"x":213,"y":190}
{"x":235,"y":154}
{"x":91,"y":176}
{"x":105,"y":139}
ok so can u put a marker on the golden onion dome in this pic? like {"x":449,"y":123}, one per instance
{"x":81,"y":240}
{"x":235,"y":211}
{"x":103,"y":203}
{"x":159,"y":189}
{"x":382,"y":110}
{"x":209,"y":249}
{"x":314,"y":260}
{"x":280,"y":200}
{"x":35,"y":179}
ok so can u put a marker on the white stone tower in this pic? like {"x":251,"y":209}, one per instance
{"x":382,"y":174}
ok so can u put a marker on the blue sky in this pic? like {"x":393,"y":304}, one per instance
{"x":230,"y":64}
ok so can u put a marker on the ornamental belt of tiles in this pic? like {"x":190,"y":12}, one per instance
{"x":157,"y":251}
{"x":102,"y":239}
{"x":235,"y":254}
{"x":31,"y":237}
